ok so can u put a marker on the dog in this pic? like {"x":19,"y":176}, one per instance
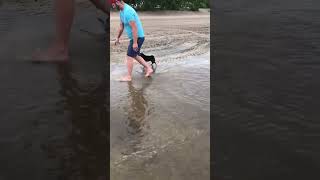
{"x":148,"y":58}
{"x":151,"y":59}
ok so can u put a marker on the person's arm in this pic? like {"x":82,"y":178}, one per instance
{"x":134,"y":34}
{"x":120,"y":31}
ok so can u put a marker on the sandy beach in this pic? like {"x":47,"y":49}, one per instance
{"x":170,"y":35}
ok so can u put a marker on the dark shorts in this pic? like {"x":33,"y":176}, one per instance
{"x":131,"y":52}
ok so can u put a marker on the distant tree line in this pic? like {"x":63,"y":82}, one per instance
{"x":192,"y":5}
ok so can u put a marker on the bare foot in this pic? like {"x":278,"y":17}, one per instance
{"x":149,"y":71}
{"x":145,"y":69}
{"x":126,"y":79}
{"x":52,"y":55}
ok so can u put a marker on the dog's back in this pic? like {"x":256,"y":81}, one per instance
{"x":149,"y":58}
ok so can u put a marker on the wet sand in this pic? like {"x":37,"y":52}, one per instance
{"x":160,"y":126}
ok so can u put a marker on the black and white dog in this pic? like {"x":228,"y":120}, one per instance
{"x":150,"y":59}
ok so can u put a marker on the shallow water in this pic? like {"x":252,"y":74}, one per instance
{"x":53,"y":117}
{"x":266,"y":86}
{"x":160,"y":126}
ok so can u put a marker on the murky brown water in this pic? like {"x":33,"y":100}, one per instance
{"x":53,"y":118}
{"x":160,"y":126}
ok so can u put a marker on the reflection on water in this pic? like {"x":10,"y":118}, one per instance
{"x":160,"y":125}
{"x":61,"y":135}
{"x":137,"y":109}
{"x":83,"y":152}
{"x":136,"y":113}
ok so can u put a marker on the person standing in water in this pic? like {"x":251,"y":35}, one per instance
{"x":64,"y":11}
{"x":131,"y":23}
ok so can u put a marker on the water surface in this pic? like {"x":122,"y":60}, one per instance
{"x":160,"y":126}
{"x":266,"y":86}
{"x":53,"y":117}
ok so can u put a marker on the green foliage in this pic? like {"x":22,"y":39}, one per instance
{"x":192,"y":5}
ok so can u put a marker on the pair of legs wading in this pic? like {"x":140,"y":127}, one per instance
{"x":132,"y":55}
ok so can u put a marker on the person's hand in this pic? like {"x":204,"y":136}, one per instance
{"x":117,"y":41}
{"x":135,"y":46}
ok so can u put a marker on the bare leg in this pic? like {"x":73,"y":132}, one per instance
{"x":64,"y":20}
{"x":130,"y":67}
{"x":59,"y":50}
{"x":147,"y":67}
